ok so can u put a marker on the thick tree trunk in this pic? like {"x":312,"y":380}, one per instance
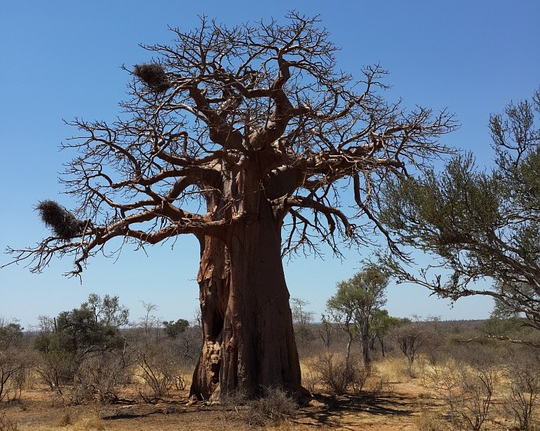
{"x":214,"y":280}
{"x":249,"y":343}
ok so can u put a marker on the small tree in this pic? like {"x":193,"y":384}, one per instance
{"x":381,"y":323}
{"x":355,"y":304}
{"x":301,"y":319}
{"x":410,"y":337}
{"x":174,"y":329}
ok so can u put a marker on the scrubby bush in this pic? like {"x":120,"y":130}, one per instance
{"x":14,"y":361}
{"x":84,"y":349}
{"x":271,"y":410}
{"x":337,"y":375}
{"x":467,"y":392}
{"x":524,"y":389}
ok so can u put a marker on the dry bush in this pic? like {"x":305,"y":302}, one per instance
{"x":14,"y":368}
{"x":394,"y":370}
{"x":273,"y":409}
{"x":311,"y":380}
{"x":159,"y":370}
{"x":524,"y":389}
{"x":336,"y":376}
{"x":99,"y":378}
{"x":467,"y":392}
{"x":411,"y":337}
{"x":377,"y":382}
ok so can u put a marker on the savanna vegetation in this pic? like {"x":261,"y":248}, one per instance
{"x":91,"y":368}
{"x":248,"y":136}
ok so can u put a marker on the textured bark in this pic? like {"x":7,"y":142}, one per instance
{"x":213,"y":279}
{"x":248,"y":338}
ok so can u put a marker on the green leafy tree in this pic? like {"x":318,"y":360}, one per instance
{"x":73,"y":336}
{"x":356,"y":302}
{"x":251,"y":139}
{"x":107,"y":310}
{"x":381,"y":323}
{"x":174,"y":329}
{"x":478,"y":225}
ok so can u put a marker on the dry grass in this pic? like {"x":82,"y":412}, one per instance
{"x":390,"y":400}
{"x":394,"y":369}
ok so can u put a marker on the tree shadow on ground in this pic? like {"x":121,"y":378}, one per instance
{"x":331,"y":409}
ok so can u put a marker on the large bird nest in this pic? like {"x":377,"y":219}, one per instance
{"x":153,"y":75}
{"x":63,"y":223}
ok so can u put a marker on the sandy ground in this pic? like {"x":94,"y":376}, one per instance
{"x":397,"y":409}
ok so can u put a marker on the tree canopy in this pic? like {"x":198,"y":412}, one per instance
{"x":213,"y":105}
{"x":356,"y":304}
{"x":482,"y":226}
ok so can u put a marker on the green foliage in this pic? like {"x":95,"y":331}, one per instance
{"x":358,"y":296}
{"x":354,"y":304}
{"x":478,"y":224}
{"x":174,"y":329}
{"x":74,"y":335}
{"x":10,"y":334}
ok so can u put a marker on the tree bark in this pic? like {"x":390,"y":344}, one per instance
{"x":214,"y":280}
{"x":364,"y":339}
{"x":248,"y":337}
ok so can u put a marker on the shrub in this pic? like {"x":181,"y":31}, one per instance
{"x":14,"y":361}
{"x":99,"y":377}
{"x":338,"y":376}
{"x":467,"y":392}
{"x":524,"y":377}
{"x":271,"y":410}
{"x":159,"y":370}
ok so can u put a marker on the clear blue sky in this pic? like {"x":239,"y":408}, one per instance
{"x":61,"y":59}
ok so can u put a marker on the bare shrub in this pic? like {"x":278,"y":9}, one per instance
{"x":271,"y":410}
{"x":159,"y":370}
{"x":310,"y":380}
{"x":337,"y":375}
{"x":411,"y":337}
{"x":56,"y":368}
{"x":14,"y":361}
{"x":524,"y":377}
{"x":99,"y":377}
{"x":467,"y":392}
{"x":12,"y":372}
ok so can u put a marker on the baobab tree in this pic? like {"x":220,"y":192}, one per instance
{"x":249,"y":139}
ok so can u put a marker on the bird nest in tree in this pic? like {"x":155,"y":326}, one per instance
{"x":153,"y":76}
{"x":63,"y":223}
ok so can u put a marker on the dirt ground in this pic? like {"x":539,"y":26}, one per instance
{"x":398,"y":409}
